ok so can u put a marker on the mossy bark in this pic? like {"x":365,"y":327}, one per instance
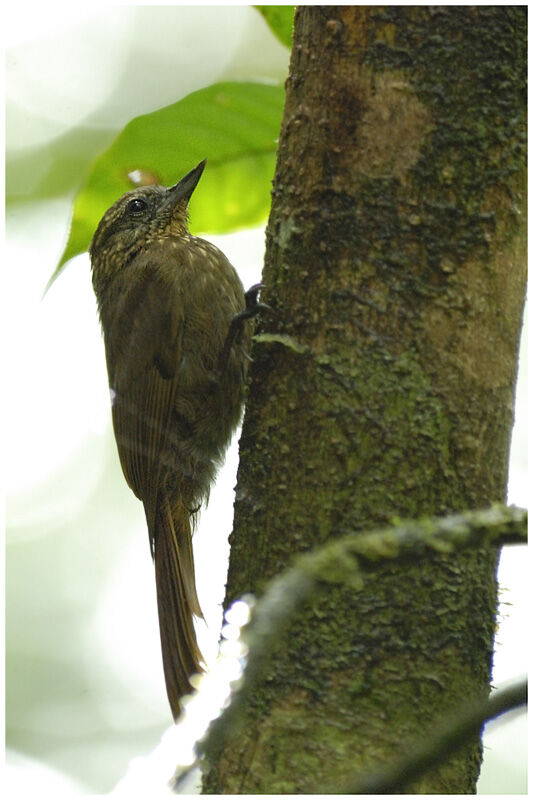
{"x":396,"y":266}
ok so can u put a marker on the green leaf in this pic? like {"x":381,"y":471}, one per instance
{"x":234,"y":125}
{"x":280,"y":20}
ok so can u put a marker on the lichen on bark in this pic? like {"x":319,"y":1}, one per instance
{"x":396,"y":267}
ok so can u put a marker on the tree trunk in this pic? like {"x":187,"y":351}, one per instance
{"x":396,"y":265}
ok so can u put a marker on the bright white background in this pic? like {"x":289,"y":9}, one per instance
{"x":85,"y":691}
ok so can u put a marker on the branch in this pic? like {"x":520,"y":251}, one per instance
{"x":349,"y":560}
{"x":430,"y":751}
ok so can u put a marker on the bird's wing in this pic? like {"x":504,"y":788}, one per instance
{"x":143,"y":349}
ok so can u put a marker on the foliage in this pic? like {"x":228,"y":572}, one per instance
{"x":280,"y":20}
{"x":234,"y":125}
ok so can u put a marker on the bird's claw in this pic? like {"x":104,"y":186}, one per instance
{"x":253,"y":307}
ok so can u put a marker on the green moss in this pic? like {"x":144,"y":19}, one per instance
{"x":395,"y":401}
{"x":478,"y":137}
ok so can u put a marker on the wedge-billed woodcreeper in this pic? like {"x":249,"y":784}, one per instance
{"x":175,"y":323}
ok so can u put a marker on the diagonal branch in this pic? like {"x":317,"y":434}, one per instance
{"x":447,"y":737}
{"x":349,"y":560}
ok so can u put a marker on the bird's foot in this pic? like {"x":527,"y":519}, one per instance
{"x":252,"y":308}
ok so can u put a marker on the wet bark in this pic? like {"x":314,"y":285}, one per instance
{"x":383,"y":385}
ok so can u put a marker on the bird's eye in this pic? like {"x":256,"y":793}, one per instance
{"x":136,"y":206}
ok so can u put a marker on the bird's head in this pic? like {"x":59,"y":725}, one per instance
{"x":140,"y":217}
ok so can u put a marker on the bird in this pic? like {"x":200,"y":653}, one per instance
{"x":177,"y":331}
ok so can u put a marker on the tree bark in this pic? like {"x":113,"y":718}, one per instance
{"x":396,"y":266}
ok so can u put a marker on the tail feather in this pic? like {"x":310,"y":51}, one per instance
{"x":177,"y":601}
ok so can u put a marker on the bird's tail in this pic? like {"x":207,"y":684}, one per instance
{"x":177,"y":601}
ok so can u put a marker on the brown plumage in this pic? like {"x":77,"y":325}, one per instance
{"x":173,"y":315}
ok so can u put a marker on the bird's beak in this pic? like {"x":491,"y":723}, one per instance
{"x":184,"y":188}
